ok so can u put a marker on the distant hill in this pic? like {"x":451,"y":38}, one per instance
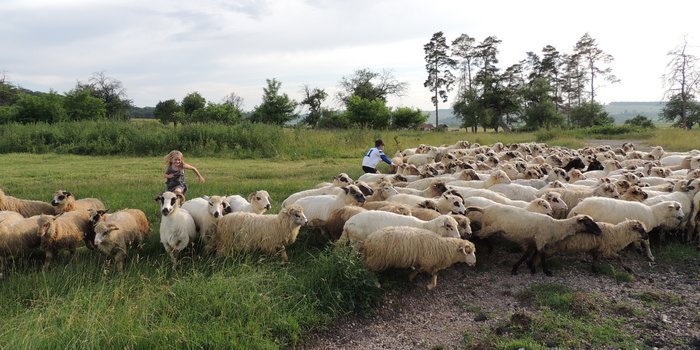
{"x":620,"y":111}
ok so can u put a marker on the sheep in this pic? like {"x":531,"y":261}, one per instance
{"x":447,"y":203}
{"x":205,"y":211}
{"x":97,"y":216}
{"x":463,"y":223}
{"x":177,"y":227}
{"x":406,"y":247}
{"x":515,"y":191}
{"x":18,"y":238}
{"x":615,"y":238}
{"x":25,"y":207}
{"x":63,"y":231}
{"x":115,"y":233}
{"x":664,"y":214}
{"x":538,"y":205}
{"x":532,"y":231}
{"x":339,"y":180}
{"x":684,"y":197}
{"x":246,"y":232}
{"x":318,"y":208}
{"x":258,"y":202}
{"x":573,"y":196}
{"x":358,"y":227}
{"x":9,"y":216}
{"x":64,"y":201}
{"x":334,"y":225}
{"x":434,"y":190}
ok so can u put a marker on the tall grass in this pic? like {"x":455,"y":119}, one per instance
{"x":248,"y":302}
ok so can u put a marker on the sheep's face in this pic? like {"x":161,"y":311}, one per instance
{"x":216,"y":206}
{"x":454,"y":203}
{"x":353,"y":192}
{"x":60,"y":197}
{"x":638,"y":226}
{"x":465,"y":230}
{"x":47,"y":226}
{"x":558,"y":174}
{"x":260,"y":199}
{"x":447,"y":227}
{"x":609,"y":190}
{"x":102,"y":233}
{"x":586,"y":224}
{"x":469,"y":252}
{"x":675,"y":214}
{"x":364,"y":188}
{"x":635,"y":193}
{"x":342,"y":179}
{"x":428,"y":204}
{"x":387,"y":190}
{"x":555,"y":201}
{"x":169,"y":202}
{"x":541,"y":206}
{"x":296,"y":212}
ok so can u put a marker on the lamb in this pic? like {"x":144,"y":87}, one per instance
{"x":406,"y":247}
{"x":205,"y":211}
{"x":63,"y":231}
{"x":532,"y":231}
{"x":64,"y":201}
{"x":118,"y":231}
{"x":177,"y":227}
{"x":25,"y":207}
{"x":258,"y":202}
{"x":358,"y":227}
{"x":246,"y":232}
{"x":318,"y":208}
{"x":615,"y":238}
{"x":18,"y":238}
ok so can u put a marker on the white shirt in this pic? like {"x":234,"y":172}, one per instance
{"x":373,"y":157}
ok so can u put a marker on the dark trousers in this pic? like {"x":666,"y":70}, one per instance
{"x":367,"y":169}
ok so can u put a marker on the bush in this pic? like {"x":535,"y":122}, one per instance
{"x":640,"y":121}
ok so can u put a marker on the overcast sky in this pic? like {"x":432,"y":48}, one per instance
{"x":163,"y":49}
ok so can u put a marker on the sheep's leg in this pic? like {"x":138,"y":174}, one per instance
{"x":594,"y":268}
{"x":647,"y":249}
{"x":119,"y":261}
{"x":47,"y":260}
{"x":283,"y":253}
{"x":414,"y":274}
{"x":433,"y":280}
{"x":2,"y":268}
{"x":546,"y":271}
{"x":173,"y":256}
{"x":528,"y":255}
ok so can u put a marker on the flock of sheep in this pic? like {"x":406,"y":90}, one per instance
{"x":425,"y":216}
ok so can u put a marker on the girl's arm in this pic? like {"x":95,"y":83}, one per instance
{"x":199,"y":176}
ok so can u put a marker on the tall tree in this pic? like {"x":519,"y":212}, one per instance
{"x":550,"y":64}
{"x":681,"y":82}
{"x":82,"y":105}
{"x":438,"y":65}
{"x":233,"y":99}
{"x":463,"y":50}
{"x":572,"y":83}
{"x":594,"y":60}
{"x":370,"y":85}
{"x":112,"y":92}
{"x":313,"y":98}
{"x":167,"y":111}
{"x":275,"y":108}
{"x":192,"y":102}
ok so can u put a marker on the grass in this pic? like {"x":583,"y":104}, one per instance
{"x":249,"y":302}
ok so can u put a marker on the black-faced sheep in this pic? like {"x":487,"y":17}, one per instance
{"x":119,"y":231}
{"x":247,"y":232}
{"x":64,"y":201}
{"x":406,"y":247}
{"x":23,"y":206}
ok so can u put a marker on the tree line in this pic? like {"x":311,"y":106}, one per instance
{"x":547,"y":90}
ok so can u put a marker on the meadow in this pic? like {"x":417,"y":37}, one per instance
{"x":247,"y":302}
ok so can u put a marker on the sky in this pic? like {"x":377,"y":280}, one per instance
{"x":166,"y":49}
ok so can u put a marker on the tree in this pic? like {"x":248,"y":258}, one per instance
{"x":368,"y":113}
{"x":46,"y":108}
{"x":275,"y":108}
{"x":331,"y":119}
{"x":191,"y":103}
{"x":590,"y":114}
{"x":8,"y":93}
{"x":370,"y":85}
{"x":166,"y":111}
{"x":467,"y":108}
{"x":217,"y":113}
{"x":82,"y":105}
{"x":550,"y":64}
{"x":540,"y":110}
{"x":313,"y":98}
{"x":681,"y":82}
{"x":438,"y":65}
{"x":463,"y":50}
{"x":111,"y":92}
{"x":572,"y":83}
{"x":641,"y":121}
{"x":676,"y":107}
{"x":407,"y":118}
{"x":234,"y":100}
{"x":592,"y":57}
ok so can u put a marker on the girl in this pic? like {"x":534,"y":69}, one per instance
{"x":175,"y":173}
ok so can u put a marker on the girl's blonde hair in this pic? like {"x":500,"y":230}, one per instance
{"x":174,"y":153}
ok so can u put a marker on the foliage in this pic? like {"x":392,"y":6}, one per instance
{"x":42,"y":108}
{"x":313,"y":98}
{"x":367,"y":113}
{"x":9,"y":94}
{"x":166,"y":111}
{"x":540,"y":110}
{"x":275,"y":108}
{"x":216,"y":113}
{"x":681,"y":113}
{"x":8,"y":114}
{"x":370,"y":85}
{"x":589,"y":114}
{"x":682,"y":82}
{"x":80,"y":104}
{"x":640,"y":121}
{"x":593,"y":61}
{"x":331,"y":119}
{"x":438,"y":64}
{"x":111,"y":92}
{"x":192,"y":103}
{"x":407,"y":118}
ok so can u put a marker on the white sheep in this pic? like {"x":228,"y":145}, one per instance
{"x":247,"y":232}
{"x":63,"y":231}
{"x":515,"y":191}
{"x":64,"y":201}
{"x":311,"y":192}
{"x":446,"y":203}
{"x":532,"y":231}
{"x":258,"y":202}
{"x":177,"y":227}
{"x":23,"y":206}
{"x":318,"y":208}
{"x":572,"y":196}
{"x":615,"y":238}
{"x":358,"y":227}
{"x":117,"y":232}
{"x":406,"y":247}
{"x":18,"y":238}
{"x":9,"y":216}
{"x":205,"y":211}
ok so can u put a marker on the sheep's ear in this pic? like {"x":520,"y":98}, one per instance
{"x":180,"y":198}
{"x":469,"y":209}
{"x":102,"y":212}
{"x":159,"y":198}
{"x":250,"y":196}
{"x":67,"y":194}
{"x":112,"y":227}
{"x":206,"y":198}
